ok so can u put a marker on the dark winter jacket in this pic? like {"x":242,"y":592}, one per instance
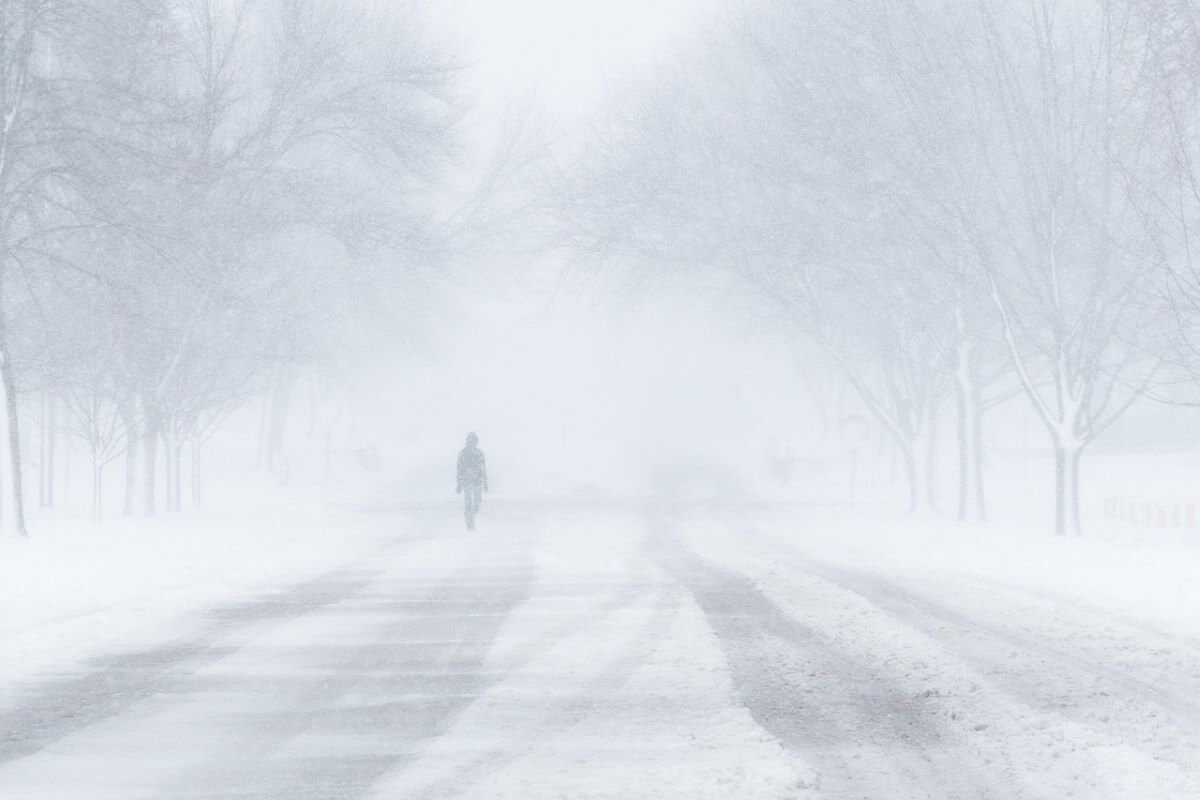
{"x":472,"y":468}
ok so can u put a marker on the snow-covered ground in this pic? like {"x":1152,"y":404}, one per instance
{"x":74,"y":590}
{"x":651,"y":649}
{"x":1069,"y":665}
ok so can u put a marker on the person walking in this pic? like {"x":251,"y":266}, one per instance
{"x":472,"y":478}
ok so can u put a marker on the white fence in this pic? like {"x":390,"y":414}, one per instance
{"x":1150,"y":514}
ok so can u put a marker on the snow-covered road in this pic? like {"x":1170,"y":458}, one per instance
{"x":639,"y":653}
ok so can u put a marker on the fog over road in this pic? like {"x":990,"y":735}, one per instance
{"x":623,"y":653}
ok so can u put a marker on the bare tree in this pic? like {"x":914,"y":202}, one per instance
{"x":948,"y":199}
{"x":265,"y":134}
{"x":1062,"y":129}
{"x":32,"y":127}
{"x":96,"y":419}
{"x":746,"y":163}
{"x":1170,"y":196}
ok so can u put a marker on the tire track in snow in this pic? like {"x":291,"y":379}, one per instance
{"x":40,"y":714}
{"x":866,"y":736}
{"x":1125,"y":632}
{"x":58,"y":708}
{"x":479,"y":765}
{"x":563,"y":712}
{"x":327,"y":717}
{"x":383,"y":697}
{"x":1143,"y":662}
{"x":397,"y":721}
{"x":1089,"y":687}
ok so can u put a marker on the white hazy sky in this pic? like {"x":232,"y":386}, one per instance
{"x":565,"y":54}
{"x":571,"y":386}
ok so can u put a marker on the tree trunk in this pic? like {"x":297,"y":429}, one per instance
{"x":97,"y":487}
{"x":280,"y":404}
{"x":976,"y":415}
{"x":908,"y":457}
{"x":51,"y":452}
{"x":42,"y":451}
{"x":13,"y":507}
{"x":196,"y":493}
{"x":46,"y":452}
{"x":1066,"y":488}
{"x":131,"y":442}
{"x":66,"y":487}
{"x":931,"y":460}
{"x":178,"y":470}
{"x":169,"y":475}
{"x":171,"y":456}
{"x":150,"y":435}
{"x":1073,"y":462}
{"x":260,"y":460}
{"x":970,"y":447}
{"x":965,"y":452}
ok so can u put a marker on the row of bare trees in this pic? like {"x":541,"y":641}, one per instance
{"x":958,"y":202}
{"x":196,"y":197}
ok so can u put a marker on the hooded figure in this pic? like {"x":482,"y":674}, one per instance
{"x":472,"y":478}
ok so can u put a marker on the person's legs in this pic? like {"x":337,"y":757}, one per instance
{"x":469,"y":506}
